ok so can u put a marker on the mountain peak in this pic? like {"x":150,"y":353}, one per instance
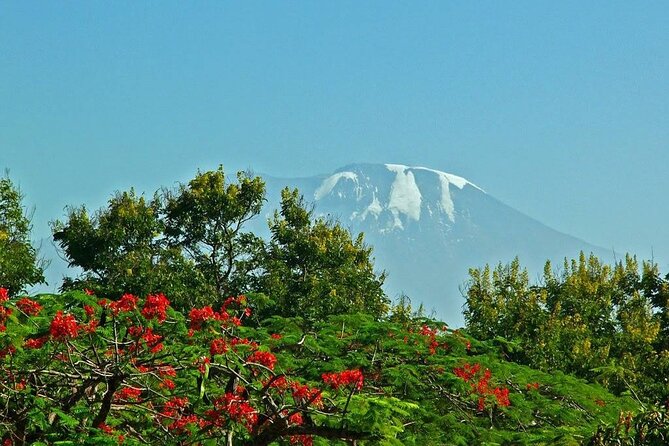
{"x":402,"y":192}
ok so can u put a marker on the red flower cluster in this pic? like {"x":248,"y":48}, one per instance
{"x":467,"y":372}
{"x":199,"y":316}
{"x":304,"y":395}
{"x":265,"y":358}
{"x":167,"y":370}
{"x":345,"y":378}
{"x":156,"y":306}
{"x":236,"y":407}
{"x":128,"y":394}
{"x":125,"y":304}
{"x":4,"y":314}
{"x":29,"y":307}
{"x":174,"y":409}
{"x":502,"y":396}
{"x":532,"y":386}
{"x":90,"y":311}
{"x":4,"y":311}
{"x":146,"y":336}
{"x":167,"y":384}
{"x":36,"y":342}
{"x":218,"y":347}
{"x":107,"y":429}
{"x":431,"y":334}
{"x":63,"y":326}
{"x":174,"y":406}
{"x":480,"y":385}
{"x":304,"y":440}
{"x":202,"y":364}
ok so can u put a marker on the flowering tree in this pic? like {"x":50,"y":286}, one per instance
{"x":134,"y":371}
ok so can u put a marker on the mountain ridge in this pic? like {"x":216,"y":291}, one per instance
{"x":427,"y":232}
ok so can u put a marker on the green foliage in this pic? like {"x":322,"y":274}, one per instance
{"x":205,"y":218}
{"x":599,"y":322}
{"x":121,"y":249}
{"x":314,"y":268}
{"x":20,"y":266}
{"x":648,"y":428}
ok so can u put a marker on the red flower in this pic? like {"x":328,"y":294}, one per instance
{"x":218,"y":347}
{"x":90,"y":311}
{"x":235,"y":406}
{"x":89,"y":292}
{"x":156,"y":306}
{"x":276,"y":336}
{"x":203,"y":363}
{"x":7,"y":351}
{"x":126,"y":303}
{"x":129,"y":394}
{"x":29,"y":307}
{"x":4,"y":294}
{"x":306,"y":395}
{"x":199,"y":316}
{"x":168,"y":384}
{"x":64,"y":326}
{"x":174,"y":406}
{"x":265,"y":358}
{"x":467,"y":371}
{"x":167,"y":370}
{"x":106,"y":428}
{"x":502,"y":395}
{"x":36,"y":343}
{"x":304,"y":440}
{"x":481,"y":404}
{"x":296,"y":419}
{"x":345,"y":378}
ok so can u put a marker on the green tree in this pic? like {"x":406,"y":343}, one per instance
{"x":120,"y":249}
{"x":20,"y":266}
{"x":205,"y":220}
{"x":594,"y":320}
{"x":314,"y":268}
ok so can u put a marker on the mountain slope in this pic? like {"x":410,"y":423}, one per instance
{"x":428,"y":227}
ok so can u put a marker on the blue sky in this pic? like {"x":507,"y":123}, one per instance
{"x":560,"y":109}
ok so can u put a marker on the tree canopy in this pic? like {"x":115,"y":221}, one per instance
{"x":20,"y":266}
{"x":597,"y":321}
{"x":192,"y":243}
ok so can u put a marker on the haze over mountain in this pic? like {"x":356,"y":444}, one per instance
{"x":429,"y":227}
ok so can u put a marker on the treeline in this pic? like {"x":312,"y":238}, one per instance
{"x":608,"y":324}
{"x":192,"y":244}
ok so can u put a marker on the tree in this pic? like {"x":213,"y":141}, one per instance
{"x":314,"y":268}
{"x":205,"y":220}
{"x":77,"y":369}
{"x":594,"y":320}
{"x":115,"y":247}
{"x":188,"y":244}
{"x":20,"y":266}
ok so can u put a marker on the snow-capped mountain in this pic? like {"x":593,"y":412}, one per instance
{"x":429,"y":227}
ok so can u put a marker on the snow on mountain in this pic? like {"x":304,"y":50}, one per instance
{"x":428,"y":227}
{"x":404,"y":200}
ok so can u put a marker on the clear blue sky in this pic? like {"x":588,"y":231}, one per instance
{"x":560,"y":109}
